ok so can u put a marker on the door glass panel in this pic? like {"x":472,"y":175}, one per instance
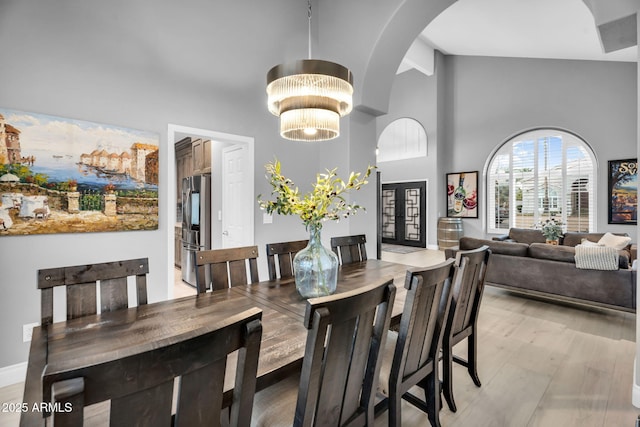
{"x":412,"y":214}
{"x":389,"y":214}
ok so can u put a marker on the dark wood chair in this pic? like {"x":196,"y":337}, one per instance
{"x":281,"y":255}
{"x":462,"y":320}
{"x":411,"y":355}
{"x":350,"y":248}
{"x":81,"y":283}
{"x":141,"y":386}
{"x":226,"y":267}
{"x":337,"y":385}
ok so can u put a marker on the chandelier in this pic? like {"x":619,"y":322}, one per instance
{"x":310,"y":96}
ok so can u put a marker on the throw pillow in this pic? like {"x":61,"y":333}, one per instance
{"x":613,"y":241}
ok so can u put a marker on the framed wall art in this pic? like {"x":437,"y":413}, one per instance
{"x":623,"y":191}
{"x":60,"y":175}
{"x":462,"y":194}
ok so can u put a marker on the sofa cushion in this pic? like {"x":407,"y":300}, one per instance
{"x":504,"y":248}
{"x":552,"y":252}
{"x":624,"y":259}
{"x":567,"y":254}
{"x":573,"y":238}
{"x":611,"y":241}
{"x":526,"y":235}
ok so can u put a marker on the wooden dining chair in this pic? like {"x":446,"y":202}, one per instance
{"x":462,"y":320}
{"x":226,"y":268}
{"x":280,"y":258}
{"x":82,"y":283}
{"x":350,"y":248}
{"x":141,"y":386}
{"x":341,"y":362}
{"x":411,"y":355}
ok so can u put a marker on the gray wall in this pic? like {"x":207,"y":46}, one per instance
{"x":415,"y":95}
{"x":491,"y":99}
{"x":144,"y":65}
{"x":473,"y":104}
{"x":147,"y":102}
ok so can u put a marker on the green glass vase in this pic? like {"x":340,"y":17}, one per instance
{"x":315,"y":267}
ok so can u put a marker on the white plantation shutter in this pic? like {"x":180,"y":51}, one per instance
{"x":499,"y":189}
{"x":524,"y":181}
{"x":538,"y":175}
{"x":580,"y":189}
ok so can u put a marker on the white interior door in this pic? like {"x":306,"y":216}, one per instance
{"x":236,"y":199}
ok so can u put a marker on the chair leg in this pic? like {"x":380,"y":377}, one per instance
{"x":395,"y":404}
{"x":69,"y":393}
{"x":447,"y":376}
{"x":431,"y":385}
{"x":472,"y":358}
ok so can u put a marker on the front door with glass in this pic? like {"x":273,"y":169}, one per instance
{"x":404,"y":213}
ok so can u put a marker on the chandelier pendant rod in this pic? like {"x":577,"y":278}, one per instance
{"x":309,"y":16}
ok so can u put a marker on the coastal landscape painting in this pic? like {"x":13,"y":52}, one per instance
{"x":60,"y":175}
{"x":623,"y":191}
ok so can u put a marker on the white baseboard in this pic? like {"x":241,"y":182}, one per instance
{"x":635,"y":390}
{"x":635,"y":396}
{"x":13,"y":374}
{"x":434,"y":247}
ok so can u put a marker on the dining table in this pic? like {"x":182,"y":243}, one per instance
{"x":81,"y":346}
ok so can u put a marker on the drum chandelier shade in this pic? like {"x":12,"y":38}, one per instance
{"x":310,"y":96}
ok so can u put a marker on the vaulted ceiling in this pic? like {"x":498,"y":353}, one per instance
{"x":562,"y":29}
{"x":559,"y":29}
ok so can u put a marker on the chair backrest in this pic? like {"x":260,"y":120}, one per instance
{"x":342,"y":356}
{"x":468,"y":285}
{"x":144,"y":393}
{"x":228,"y":267}
{"x":350,"y":248}
{"x":281,"y":255}
{"x":423,"y":318}
{"x":81,"y":283}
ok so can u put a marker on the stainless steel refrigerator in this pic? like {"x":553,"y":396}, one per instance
{"x":196,"y":223}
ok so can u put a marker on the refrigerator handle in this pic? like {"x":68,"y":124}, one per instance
{"x":190,"y":246}
{"x":186,"y":207}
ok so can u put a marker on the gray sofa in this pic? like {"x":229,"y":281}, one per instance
{"x":521,"y":261}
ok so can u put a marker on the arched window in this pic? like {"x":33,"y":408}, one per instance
{"x":403,"y":138}
{"x":540,"y":174}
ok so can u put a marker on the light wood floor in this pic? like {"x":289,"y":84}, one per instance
{"x":541,"y":364}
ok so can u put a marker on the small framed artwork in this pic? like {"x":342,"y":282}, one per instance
{"x":623,"y":191}
{"x":462,"y":194}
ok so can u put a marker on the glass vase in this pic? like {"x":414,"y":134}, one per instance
{"x":315,"y":267}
